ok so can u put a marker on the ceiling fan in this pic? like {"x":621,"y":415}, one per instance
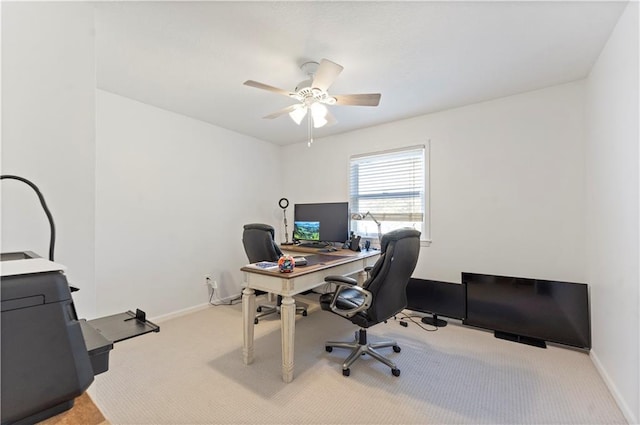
{"x":312,"y":95}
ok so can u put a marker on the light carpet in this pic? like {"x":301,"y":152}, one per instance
{"x":191,"y":372}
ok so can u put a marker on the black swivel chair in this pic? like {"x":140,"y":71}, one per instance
{"x":382,"y":296}
{"x":259,"y":245}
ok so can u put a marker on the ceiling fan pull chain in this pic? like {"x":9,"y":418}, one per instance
{"x":309,"y":127}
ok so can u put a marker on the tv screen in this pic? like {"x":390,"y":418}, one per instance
{"x":333,"y":218}
{"x":516,"y":307}
{"x":306,"y":230}
{"x":437,"y":298}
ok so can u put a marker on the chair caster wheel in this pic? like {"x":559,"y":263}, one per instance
{"x":328,"y":349}
{"x":255,"y":321}
{"x":395,"y":372}
{"x":347,"y":372}
{"x":259,"y":309}
{"x":396,"y":349}
{"x":304,"y":313}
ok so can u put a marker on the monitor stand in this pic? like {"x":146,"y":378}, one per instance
{"x":434,"y":321}
{"x":521,"y":339}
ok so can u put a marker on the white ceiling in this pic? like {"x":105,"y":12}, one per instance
{"x":192,"y":57}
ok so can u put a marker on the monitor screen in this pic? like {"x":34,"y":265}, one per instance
{"x":306,"y":230}
{"x":553,"y":311}
{"x":435,"y":297}
{"x":333,"y":218}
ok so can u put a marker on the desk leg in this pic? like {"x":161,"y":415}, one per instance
{"x":288,"y":324}
{"x":248,"y":316}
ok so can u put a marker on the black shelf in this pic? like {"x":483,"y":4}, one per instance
{"x":122,"y":326}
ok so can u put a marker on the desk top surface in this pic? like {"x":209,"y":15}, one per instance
{"x":315,"y":262}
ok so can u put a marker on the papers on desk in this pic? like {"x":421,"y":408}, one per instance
{"x":272,"y":265}
{"x":266,"y":265}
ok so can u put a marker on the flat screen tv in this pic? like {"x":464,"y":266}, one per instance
{"x":530,"y":311}
{"x":436,"y":298}
{"x":332,"y":216}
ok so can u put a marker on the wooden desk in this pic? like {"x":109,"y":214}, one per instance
{"x":341,"y":262}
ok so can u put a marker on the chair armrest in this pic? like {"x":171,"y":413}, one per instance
{"x":340,"y":279}
{"x":348,"y":313}
{"x":367,"y":270}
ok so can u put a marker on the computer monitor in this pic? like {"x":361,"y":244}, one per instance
{"x":306,"y":231}
{"x":332,"y":216}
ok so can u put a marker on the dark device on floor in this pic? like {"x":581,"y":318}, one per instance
{"x":528,"y":310}
{"x":436,"y":298}
{"x":49,"y":356}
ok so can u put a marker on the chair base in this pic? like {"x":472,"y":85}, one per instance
{"x":267,"y":309}
{"x":360,"y":347}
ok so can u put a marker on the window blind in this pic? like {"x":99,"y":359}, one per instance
{"x":391,"y":187}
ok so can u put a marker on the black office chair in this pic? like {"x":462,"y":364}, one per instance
{"x":259,"y":245}
{"x":382,"y":296}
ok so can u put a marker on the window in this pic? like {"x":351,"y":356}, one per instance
{"x":389,"y":187}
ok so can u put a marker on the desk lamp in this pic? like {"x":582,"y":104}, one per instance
{"x":284,"y":203}
{"x":360,"y":216}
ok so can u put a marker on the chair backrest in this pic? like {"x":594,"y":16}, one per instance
{"x":390,"y":275}
{"x":259,"y":244}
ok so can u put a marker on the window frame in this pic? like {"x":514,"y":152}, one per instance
{"x":425,"y":237}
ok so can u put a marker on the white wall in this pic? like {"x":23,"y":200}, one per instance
{"x":172,"y":194}
{"x":507,"y":183}
{"x":116,"y":225}
{"x":612,"y":212}
{"x":48,"y":81}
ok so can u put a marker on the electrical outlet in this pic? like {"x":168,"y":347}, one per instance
{"x":207,"y":279}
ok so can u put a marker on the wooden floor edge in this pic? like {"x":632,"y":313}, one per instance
{"x":83,"y":412}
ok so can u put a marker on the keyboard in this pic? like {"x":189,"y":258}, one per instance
{"x":312,"y":244}
{"x":300,"y":261}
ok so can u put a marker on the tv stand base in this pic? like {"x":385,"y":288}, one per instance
{"x":434,"y":321}
{"x":521,"y":339}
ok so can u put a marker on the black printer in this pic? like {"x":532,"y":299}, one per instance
{"x":49,"y":356}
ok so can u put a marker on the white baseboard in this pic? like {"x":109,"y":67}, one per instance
{"x":193,"y":309}
{"x":179,"y":313}
{"x":626,"y":411}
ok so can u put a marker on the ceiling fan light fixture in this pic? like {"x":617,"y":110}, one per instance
{"x":319,"y":122}
{"x":319,"y":114}
{"x":318,"y":110}
{"x":298,"y":114}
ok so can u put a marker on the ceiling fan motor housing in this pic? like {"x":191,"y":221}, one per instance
{"x":308,"y":94}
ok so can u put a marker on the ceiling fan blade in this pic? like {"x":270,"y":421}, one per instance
{"x":370,"y":99}
{"x":262,"y":86}
{"x":283,"y":111}
{"x":326,"y":74}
